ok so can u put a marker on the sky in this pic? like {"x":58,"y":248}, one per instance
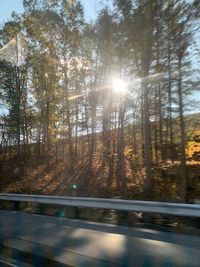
{"x":91,"y":8}
{"x":7,"y":7}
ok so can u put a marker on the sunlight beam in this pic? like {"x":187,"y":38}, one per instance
{"x":119,"y":86}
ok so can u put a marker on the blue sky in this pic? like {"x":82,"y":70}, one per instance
{"x":8,"y":6}
{"x":91,"y":8}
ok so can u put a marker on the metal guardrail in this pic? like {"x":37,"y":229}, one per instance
{"x":175,"y":209}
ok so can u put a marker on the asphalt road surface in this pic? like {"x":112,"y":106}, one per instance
{"x":84,"y":244}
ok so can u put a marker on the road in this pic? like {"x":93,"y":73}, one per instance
{"x":82,"y":243}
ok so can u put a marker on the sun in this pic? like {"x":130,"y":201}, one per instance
{"x":119,"y":86}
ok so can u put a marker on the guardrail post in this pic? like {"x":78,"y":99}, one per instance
{"x":16,"y":205}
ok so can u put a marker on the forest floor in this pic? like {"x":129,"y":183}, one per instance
{"x":90,"y":180}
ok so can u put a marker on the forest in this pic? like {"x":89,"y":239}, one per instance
{"x":101,"y":108}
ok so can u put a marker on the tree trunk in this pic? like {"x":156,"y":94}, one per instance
{"x":182,"y":129}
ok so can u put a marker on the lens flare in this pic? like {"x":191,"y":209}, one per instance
{"x":119,"y":86}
